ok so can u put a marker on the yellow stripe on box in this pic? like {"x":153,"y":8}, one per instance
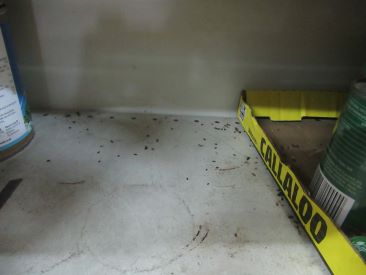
{"x":294,"y":105}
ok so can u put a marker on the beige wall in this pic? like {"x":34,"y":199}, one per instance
{"x":182,"y":55}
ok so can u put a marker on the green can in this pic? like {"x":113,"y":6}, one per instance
{"x":359,"y":243}
{"x":339,"y":184}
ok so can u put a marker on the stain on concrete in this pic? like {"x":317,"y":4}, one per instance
{"x":8,"y":191}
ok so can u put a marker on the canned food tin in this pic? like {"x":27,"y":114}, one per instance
{"x":15,"y":120}
{"x":339,"y":185}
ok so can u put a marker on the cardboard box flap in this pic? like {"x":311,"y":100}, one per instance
{"x":295,"y":105}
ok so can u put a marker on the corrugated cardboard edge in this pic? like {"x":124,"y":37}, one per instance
{"x":333,"y":246}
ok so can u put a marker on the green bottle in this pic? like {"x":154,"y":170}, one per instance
{"x":339,"y":184}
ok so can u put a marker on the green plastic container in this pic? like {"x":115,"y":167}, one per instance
{"x":339,"y":184}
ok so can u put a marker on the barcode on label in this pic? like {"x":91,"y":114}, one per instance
{"x":333,"y":201}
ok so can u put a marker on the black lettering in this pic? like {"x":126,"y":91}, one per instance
{"x":305,"y":210}
{"x":318,"y":228}
{"x":279,"y":173}
{"x":274,"y":164}
{"x":287,"y":184}
{"x":268,"y":157}
{"x":294,"y":195}
{"x":263,"y":142}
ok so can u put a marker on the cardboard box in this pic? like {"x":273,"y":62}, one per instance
{"x":290,"y":130}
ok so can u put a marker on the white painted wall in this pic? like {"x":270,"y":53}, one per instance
{"x":182,"y":55}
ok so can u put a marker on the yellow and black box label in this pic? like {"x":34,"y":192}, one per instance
{"x":332,"y":244}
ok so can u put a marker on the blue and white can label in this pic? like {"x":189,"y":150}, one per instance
{"x":15,"y":119}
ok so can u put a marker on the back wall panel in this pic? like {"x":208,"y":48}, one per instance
{"x":182,"y":55}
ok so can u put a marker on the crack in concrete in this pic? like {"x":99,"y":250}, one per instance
{"x":67,"y":259}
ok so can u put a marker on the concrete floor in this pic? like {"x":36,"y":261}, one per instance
{"x":107,"y":193}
